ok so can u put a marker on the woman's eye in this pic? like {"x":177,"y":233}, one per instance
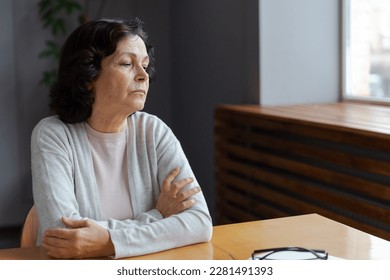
{"x":125,"y":64}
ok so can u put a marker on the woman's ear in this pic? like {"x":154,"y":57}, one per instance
{"x":89,"y":85}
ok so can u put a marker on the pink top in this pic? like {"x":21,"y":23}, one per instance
{"x":110,"y":166}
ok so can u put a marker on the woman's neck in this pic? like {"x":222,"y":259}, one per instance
{"x":107,"y":125}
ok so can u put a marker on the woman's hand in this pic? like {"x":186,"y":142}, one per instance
{"x":81,"y":239}
{"x":173,"y":199}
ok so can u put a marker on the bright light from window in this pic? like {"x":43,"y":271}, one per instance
{"x":367,"y":49}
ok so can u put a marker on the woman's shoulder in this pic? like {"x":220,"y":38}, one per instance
{"x":52,"y":134}
{"x":149,"y":125}
{"x":46,"y":132}
{"x":52,"y":123}
{"x":148,"y":120}
{"x":53,"y":126}
{"x":145,"y":117}
{"x":51,"y":120}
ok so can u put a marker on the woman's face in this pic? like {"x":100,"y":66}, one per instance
{"x":123,"y":83}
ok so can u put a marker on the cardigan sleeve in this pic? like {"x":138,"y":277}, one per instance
{"x":52,"y":176}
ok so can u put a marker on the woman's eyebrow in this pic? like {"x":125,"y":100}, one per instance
{"x":133,"y":54}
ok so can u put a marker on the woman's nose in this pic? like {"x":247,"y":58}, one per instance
{"x":142,"y":75}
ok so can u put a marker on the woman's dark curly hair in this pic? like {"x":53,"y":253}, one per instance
{"x":72,"y":96}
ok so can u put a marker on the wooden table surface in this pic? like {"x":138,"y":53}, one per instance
{"x":237,"y":241}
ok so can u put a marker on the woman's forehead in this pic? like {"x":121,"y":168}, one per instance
{"x":133,"y":43}
{"x":132,"y":46}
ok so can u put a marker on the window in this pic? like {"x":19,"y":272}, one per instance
{"x":366,"y":49}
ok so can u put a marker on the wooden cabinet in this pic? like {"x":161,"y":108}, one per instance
{"x":330,"y":159}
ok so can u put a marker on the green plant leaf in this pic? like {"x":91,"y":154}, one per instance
{"x":52,"y":50}
{"x":44,"y":6}
{"x":48,"y":20}
{"x":58,"y":27}
{"x":72,"y":6}
{"x":54,"y":15}
{"x":49,"y":77}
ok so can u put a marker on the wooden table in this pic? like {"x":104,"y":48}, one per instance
{"x":237,"y":241}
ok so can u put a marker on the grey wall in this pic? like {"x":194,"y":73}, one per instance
{"x":23,"y":103}
{"x":215,"y":60}
{"x":299,"y":51}
{"x":10,"y":143}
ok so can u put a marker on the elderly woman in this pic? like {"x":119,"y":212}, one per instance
{"x":109,"y":180}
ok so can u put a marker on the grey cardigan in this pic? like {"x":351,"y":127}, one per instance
{"x":64,"y":185}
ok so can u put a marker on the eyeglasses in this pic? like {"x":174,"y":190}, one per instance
{"x":289,"y":253}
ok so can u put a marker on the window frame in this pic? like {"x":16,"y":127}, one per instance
{"x":345,"y":61}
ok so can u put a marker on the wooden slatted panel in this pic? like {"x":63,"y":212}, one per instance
{"x":333,"y":159}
